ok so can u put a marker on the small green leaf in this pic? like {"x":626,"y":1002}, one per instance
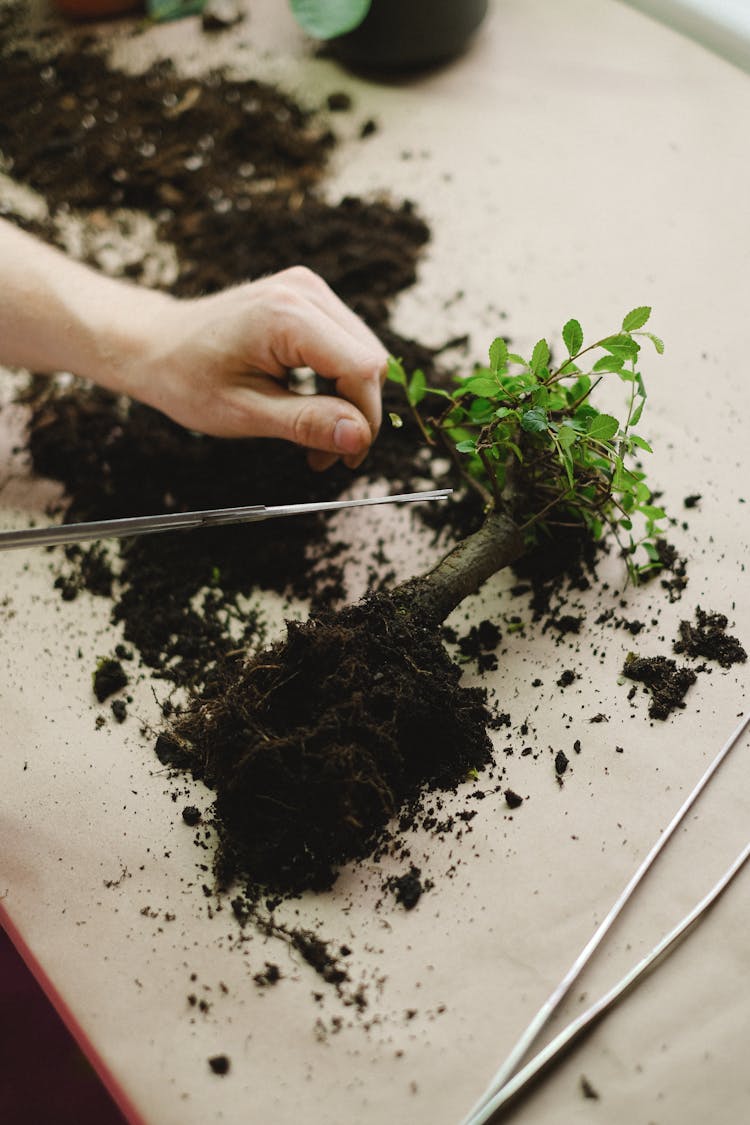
{"x":636,"y":318}
{"x":567,"y":436}
{"x":395,"y":372}
{"x":603,"y":427}
{"x":573,"y":337}
{"x":498,"y":354}
{"x":534,"y":421}
{"x":621,"y":344}
{"x":482,"y":385}
{"x":417,"y":387}
{"x":640,"y":442}
{"x":658,"y":343}
{"x":325,"y":19}
{"x":635,"y":417}
{"x":469,"y":445}
{"x":481,"y":410}
{"x":609,"y":363}
{"x":539,"y":356}
{"x":396,"y":420}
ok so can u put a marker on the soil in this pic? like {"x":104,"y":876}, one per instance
{"x":707,"y":637}
{"x":70,"y":129}
{"x":314,"y":745}
{"x":666,"y":681}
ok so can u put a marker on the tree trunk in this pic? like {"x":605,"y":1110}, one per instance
{"x":462,"y":571}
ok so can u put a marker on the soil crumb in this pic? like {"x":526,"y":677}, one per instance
{"x":707,"y":637}
{"x":408,"y":887}
{"x":666,"y":681}
{"x":109,"y":677}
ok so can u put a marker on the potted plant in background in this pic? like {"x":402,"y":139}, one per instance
{"x":391,"y":34}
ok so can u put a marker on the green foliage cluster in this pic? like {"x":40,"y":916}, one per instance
{"x":526,"y":435}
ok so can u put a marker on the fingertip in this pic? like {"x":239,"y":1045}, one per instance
{"x":355,"y":462}
{"x":350,"y":438}
{"x":319,"y":461}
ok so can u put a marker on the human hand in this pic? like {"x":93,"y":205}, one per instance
{"x":218,"y":364}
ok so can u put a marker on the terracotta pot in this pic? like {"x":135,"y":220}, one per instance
{"x":406,"y":34}
{"x":96,"y":9}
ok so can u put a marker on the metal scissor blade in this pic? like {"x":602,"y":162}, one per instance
{"x":181,"y":521}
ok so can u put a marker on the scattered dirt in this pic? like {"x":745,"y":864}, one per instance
{"x":231,"y":171}
{"x":109,"y":677}
{"x":666,"y":681}
{"x":707,"y":637}
{"x":313,"y":745}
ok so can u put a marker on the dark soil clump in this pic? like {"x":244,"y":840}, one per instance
{"x":109,"y":677}
{"x":408,"y":888}
{"x":314,"y":745}
{"x":707,"y":637}
{"x":666,"y":681}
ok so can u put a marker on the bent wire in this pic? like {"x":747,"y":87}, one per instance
{"x":554,"y":1050}
{"x":534,"y":1028}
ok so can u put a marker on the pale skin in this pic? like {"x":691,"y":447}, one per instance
{"x":215,"y":364}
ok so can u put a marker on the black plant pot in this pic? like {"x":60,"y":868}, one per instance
{"x":407,"y":34}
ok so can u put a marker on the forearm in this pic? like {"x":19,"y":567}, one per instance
{"x":58,"y":315}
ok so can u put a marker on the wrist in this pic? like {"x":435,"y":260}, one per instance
{"x":127,"y":330}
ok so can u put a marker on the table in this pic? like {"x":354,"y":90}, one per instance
{"x":578,"y":160}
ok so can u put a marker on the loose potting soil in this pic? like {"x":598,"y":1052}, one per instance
{"x":311,"y":749}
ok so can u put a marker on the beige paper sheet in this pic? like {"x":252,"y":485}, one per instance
{"x":577,"y":161}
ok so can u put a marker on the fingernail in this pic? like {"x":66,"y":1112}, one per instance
{"x":347,"y":436}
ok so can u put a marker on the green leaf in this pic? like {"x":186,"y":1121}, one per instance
{"x":325,"y":19}
{"x":469,"y":445}
{"x":534,"y":421}
{"x":635,"y":417}
{"x":640,"y":442}
{"x":481,"y":410}
{"x":603,"y":427}
{"x":395,"y":372}
{"x":417,"y":387}
{"x":609,"y":363}
{"x":498,"y":354}
{"x":479,"y":385}
{"x":658,"y":343}
{"x":621,"y":344}
{"x":539,"y":356}
{"x":573,"y":337}
{"x":396,"y":420}
{"x":652,"y":513}
{"x":567,"y":436}
{"x":636,"y":318}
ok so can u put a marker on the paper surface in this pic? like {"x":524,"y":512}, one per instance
{"x":579,"y":160}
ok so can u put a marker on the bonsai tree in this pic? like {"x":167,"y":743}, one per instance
{"x":314,"y":744}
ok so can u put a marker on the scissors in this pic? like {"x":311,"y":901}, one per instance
{"x":180,"y":521}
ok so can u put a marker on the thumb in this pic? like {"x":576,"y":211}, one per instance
{"x":325,"y":423}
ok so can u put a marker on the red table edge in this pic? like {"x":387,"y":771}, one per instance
{"x":110,"y":1083}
